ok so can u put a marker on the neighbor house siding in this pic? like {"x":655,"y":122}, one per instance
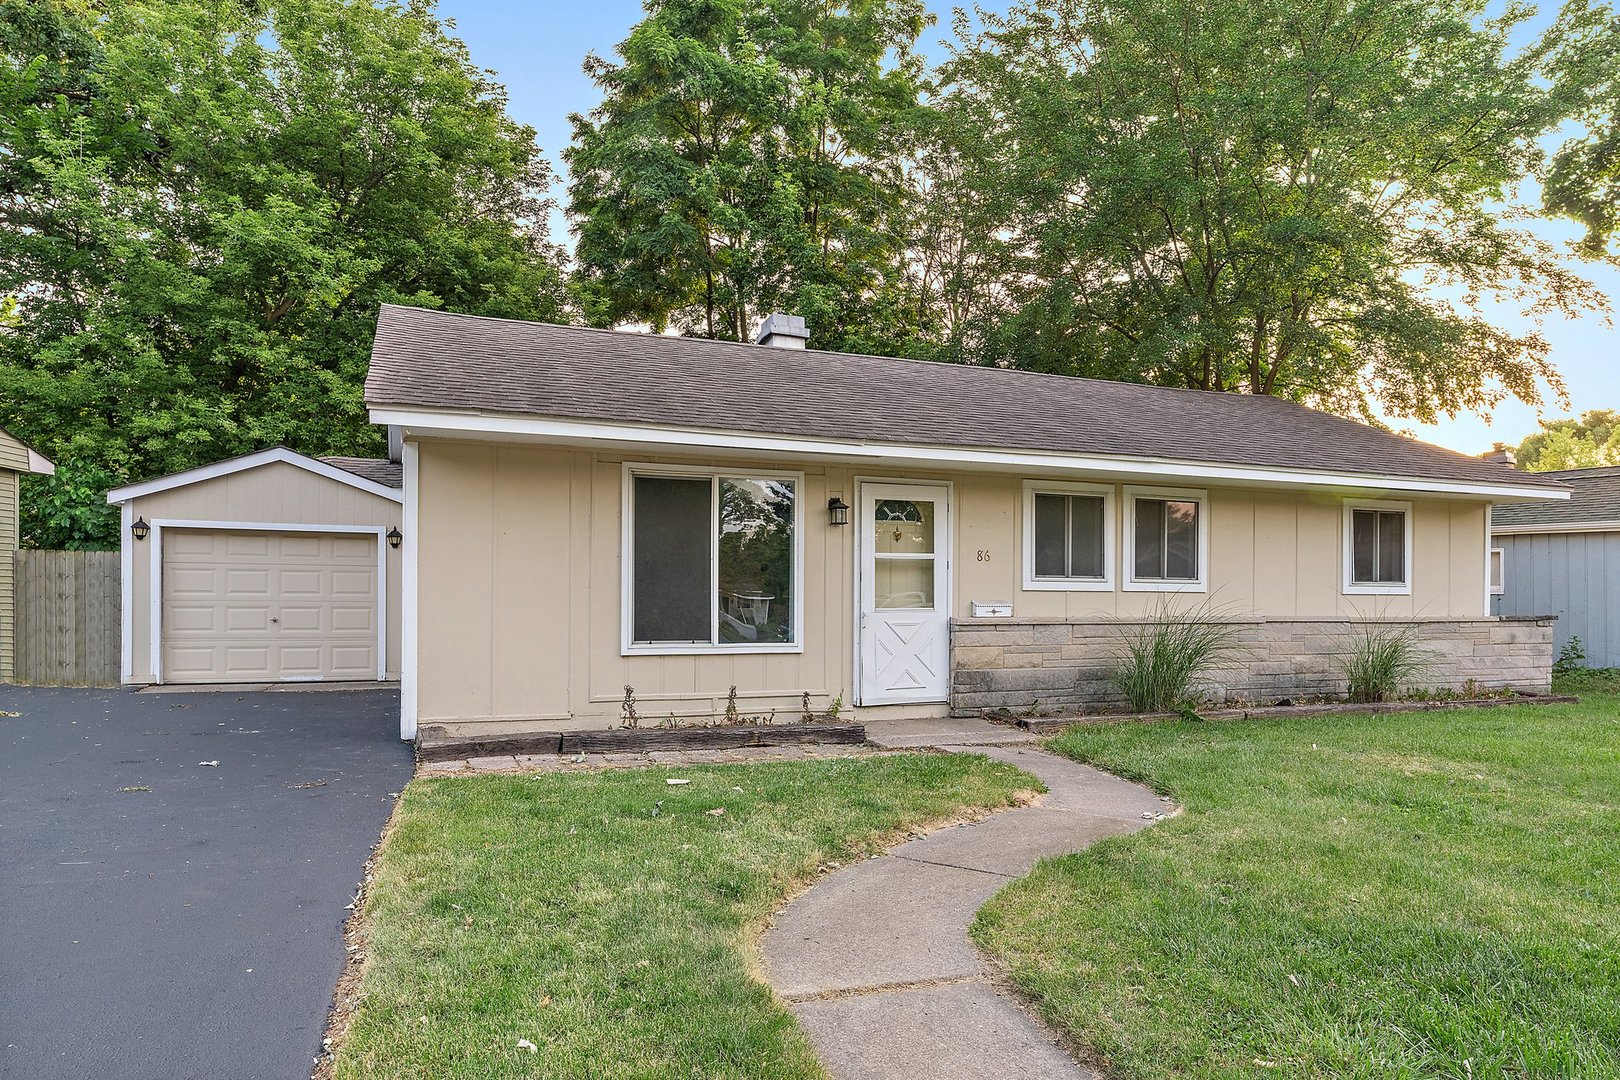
{"x":8,"y":581}
{"x":1575,"y":576}
{"x":520,"y":592}
{"x":13,"y":462}
{"x":276,"y":493}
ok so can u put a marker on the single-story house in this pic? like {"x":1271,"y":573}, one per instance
{"x":1563,"y":558}
{"x":591,"y":514}
{"x":268,"y":567}
{"x":16,"y":458}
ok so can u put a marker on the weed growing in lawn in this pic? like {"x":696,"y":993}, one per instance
{"x":1588,"y":681}
{"x":1572,"y":657}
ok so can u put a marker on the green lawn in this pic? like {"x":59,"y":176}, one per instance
{"x":1395,"y":896}
{"x":606,"y":917}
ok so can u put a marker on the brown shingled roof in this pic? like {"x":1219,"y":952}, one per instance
{"x":377,"y":470}
{"x":431,"y":359}
{"x":1595,"y":499}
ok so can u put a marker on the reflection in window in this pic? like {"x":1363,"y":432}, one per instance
{"x":903,"y":583}
{"x":756,"y":560}
{"x":1166,"y":539}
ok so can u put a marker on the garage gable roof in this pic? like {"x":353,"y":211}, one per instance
{"x":507,"y":371}
{"x":253,"y":461}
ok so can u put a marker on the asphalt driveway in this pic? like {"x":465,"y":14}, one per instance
{"x":165,"y":918}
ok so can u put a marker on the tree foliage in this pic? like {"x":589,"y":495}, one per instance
{"x":1591,"y":442}
{"x":748,"y":157}
{"x":1303,"y":200}
{"x":1585,"y":179}
{"x":203,"y":204}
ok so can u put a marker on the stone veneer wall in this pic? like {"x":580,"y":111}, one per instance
{"x":1059,"y":664}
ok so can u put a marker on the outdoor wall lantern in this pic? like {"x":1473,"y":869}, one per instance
{"x":395,"y":537}
{"x":140,"y":530}
{"x":839,"y":509}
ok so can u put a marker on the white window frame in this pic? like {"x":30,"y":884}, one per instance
{"x":1105,"y":583}
{"x":1496,"y":559}
{"x":628,"y":646}
{"x":1128,"y":579}
{"x":1362,"y":588}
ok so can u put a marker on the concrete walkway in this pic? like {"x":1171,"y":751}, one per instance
{"x":875,"y":960}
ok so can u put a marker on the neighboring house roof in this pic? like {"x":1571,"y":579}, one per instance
{"x":432,"y":360}
{"x":254,"y":460}
{"x":1594,"y":502}
{"x":379,"y":470}
{"x":18,"y":456}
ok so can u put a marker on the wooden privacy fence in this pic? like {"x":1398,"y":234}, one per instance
{"x":67,"y":617}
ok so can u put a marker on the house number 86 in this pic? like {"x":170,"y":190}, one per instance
{"x":984,"y":554}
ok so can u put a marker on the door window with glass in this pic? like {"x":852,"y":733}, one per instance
{"x":903,"y":553}
{"x":1068,"y":531}
{"x":1167,"y":539}
{"x":712,"y":562}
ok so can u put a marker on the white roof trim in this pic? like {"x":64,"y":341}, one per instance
{"x":253,"y":461}
{"x":462,"y":424}
{"x":1556,"y":527}
{"x":39,"y":463}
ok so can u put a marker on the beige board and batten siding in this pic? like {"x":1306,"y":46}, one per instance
{"x":277,"y":493}
{"x":519,"y":588}
{"x":519,"y":597}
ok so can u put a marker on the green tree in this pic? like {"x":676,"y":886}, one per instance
{"x":1591,"y":442}
{"x":1584,"y":184}
{"x":1302,"y":200}
{"x":747,"y":157}
{"x":204,"y":202}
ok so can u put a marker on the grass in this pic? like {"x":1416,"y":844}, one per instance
{"x":606,"y":917}
{"x":1396,"y":896}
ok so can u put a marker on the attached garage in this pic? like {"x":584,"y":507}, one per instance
{"x":273,"y":567}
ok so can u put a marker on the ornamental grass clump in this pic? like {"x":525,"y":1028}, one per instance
{"x":1382,"y":659}
{"x":1165,"y":658}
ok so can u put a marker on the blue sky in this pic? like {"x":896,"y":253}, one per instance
{"x":536,"y":50}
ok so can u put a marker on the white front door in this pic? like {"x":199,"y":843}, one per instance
{"x":905,"y":593}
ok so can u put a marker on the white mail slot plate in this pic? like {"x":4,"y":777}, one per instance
{"x":991,"y":611}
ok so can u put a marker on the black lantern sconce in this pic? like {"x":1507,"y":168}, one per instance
{"x":839,"y":510}
{"x":395,"y":537}
{"x":140,"y":530}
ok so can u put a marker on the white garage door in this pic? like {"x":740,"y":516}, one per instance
{"x":262,"y":607}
